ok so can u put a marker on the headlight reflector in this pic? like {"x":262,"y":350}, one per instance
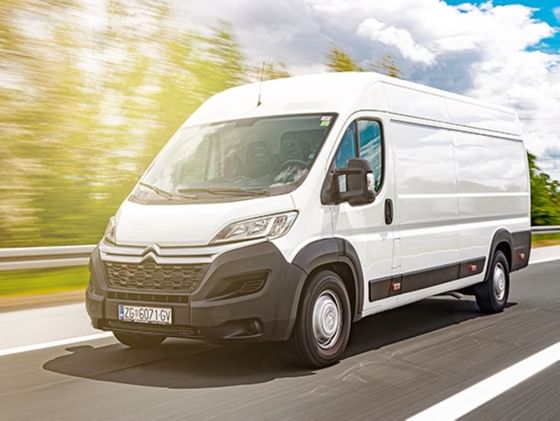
{"x":110,"y":231}
{"x":271,"y":226}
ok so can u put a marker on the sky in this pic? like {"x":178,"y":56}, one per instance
{"x":502,"y":51}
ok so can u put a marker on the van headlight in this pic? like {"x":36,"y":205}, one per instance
{"x":110,"y":231}
{"x":271,"y":226}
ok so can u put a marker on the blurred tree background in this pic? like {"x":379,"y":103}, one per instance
{"x":545,"y":196}
{"x":84,"y":109}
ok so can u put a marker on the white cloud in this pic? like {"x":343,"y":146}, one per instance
{"x":395,"y":37}
{"x":482,"y":51}
{"x":556,"y":12}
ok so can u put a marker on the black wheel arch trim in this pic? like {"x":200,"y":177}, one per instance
{"x":519,"y":244}
{"x":334,"y":250}
{"x":500,"y":236}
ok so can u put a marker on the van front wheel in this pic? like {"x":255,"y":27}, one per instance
{"x":492,"y":294}
{"x":323,"y":326}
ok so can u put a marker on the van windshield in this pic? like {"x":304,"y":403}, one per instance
{"x":240,"y":158}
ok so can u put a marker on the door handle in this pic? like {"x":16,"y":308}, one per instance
{"x":388,"y":211}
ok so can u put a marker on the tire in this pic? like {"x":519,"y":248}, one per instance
{"x":139,"y":340}
{"x":492,"y":294}
{"x":322,"y":328}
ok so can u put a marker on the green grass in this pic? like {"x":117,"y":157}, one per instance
{"x":42,"y":281}
{"x":541,"y":240}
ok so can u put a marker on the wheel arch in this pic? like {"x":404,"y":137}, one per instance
{"x":501,"y":241}
{"x":338,"y":255}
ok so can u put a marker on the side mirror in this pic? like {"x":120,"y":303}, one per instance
{"x":354,"y":184}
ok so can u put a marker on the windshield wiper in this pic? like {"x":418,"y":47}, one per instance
{"x":165,"y":193}
{"x":226,"y":191}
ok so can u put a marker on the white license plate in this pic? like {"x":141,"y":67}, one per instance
{"x":140,"y":314}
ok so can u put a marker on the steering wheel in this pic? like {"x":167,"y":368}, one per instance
{"x":293,"y":162}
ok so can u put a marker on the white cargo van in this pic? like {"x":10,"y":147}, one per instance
{"x":289,"y":209}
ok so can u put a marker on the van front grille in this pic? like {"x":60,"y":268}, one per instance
{"x":153,"y":276}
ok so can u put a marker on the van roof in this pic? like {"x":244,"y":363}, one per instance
{"x":347,"y":92}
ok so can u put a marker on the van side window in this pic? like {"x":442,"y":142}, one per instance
{"x":347,"y":147}
{"x":362,"y":139}
{"x":369,"y":133}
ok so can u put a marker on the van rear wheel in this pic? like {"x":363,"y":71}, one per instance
{"x":323,"y":326}
{"x":139,"y":340}
{"x":492,"y":294}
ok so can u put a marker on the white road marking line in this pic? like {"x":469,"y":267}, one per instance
{"x":51,"y":344}
{"x":547,"y":259}
{"x":477,"y":395}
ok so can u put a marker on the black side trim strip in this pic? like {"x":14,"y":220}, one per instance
{"x":380,"y":288}
{"x":471,"y":267}
{"x":413,"y":281}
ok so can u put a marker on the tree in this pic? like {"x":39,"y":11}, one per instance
{"x":274,"y":71}
{"x":86,"y":109}
{"x":218,"y":63}
{"x":38,"y":113}
{"x":339,"y":61}
{"x":545,"y":196}
{"x":386,"y":65}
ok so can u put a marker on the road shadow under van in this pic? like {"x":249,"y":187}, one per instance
{"x":416,"y":319}
{"x":183,"y":364}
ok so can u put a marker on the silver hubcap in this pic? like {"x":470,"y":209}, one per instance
{"x":499,"y":280}
{"x":327,"y":319}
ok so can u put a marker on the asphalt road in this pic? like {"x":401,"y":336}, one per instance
{"x":398,"y":364}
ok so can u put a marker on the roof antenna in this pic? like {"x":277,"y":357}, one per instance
{"x":259,"y":102}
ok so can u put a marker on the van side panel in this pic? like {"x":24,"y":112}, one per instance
{"x":426,"y":188}
{"x":455,"y":190}
{"x":488,"y":164}
{"x":493,"y":189}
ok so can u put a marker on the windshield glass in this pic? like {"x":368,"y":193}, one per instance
{"x":241,"y":158}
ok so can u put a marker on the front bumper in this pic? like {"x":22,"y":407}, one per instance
{"x":210,"y":312}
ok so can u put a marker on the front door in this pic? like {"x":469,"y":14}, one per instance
{"x":369,"y":228}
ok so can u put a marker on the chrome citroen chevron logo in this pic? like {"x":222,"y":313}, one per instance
{"x":150,"y":252}
{"x":149,"y":256}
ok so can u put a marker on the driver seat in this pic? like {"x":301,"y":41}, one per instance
{"x":258,"y":160}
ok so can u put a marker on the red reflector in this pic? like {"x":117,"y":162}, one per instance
{"x":522,"y":256}
{"x":473,"y":268}
{"x":396,"y":286}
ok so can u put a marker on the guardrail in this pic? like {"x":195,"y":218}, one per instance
{"x":549,"y":229}
{"x":44,"y":257}
{"x":67,"y":256}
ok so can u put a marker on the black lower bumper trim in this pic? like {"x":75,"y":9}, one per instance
{"x":155,"y":298}
{"x":174,"y":331}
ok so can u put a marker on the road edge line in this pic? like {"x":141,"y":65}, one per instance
{"x":52,"y":344}
{"x":545,"y":260}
